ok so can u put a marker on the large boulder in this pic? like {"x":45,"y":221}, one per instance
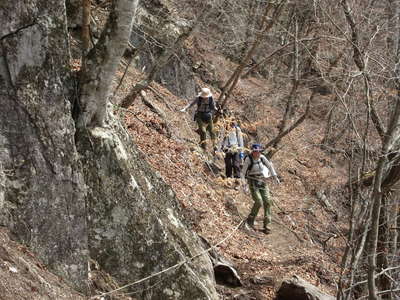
{"x":135,"y":228}
{"x":297,"y":288}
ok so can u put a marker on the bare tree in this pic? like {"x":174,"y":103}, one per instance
{"x":391,"y":145}
{"x":265,"y":26}
{"x":295,"y":81}
{"x":102,"y":62}
{"x":374,"y":203}
{"x":360,"y":63}
{"x":85,"y":28}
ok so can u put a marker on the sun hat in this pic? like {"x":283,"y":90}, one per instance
{"x":205,"y":93}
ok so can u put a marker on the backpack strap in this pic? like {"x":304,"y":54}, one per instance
{"x":262,"y":160}
{"x":251,"y":164}
{"x":210,"y":107}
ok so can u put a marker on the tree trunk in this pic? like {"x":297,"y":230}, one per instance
{"x":359,"y":61}
{"x":292,"y":96}
{"x":276,"y":140}
{"x":264,"y":28}
{"x":392,"y":138}
{"x":393,"y":14}
{"x":382,"y":259}
{"x":85,"y":29}
{"x":102,"y":63}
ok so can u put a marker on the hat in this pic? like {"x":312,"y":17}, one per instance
{"x":205,"y":93}
{"x":256,"y":148}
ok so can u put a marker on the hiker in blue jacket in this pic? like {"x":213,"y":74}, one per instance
{"x":204,"y":115}
{"x":232,"y":146}
{"x":257,"y":169}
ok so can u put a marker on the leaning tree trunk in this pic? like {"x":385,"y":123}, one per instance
{"x":266,"y":25}
{"x":43,"y":192}
{"x":358,"y":58}
{"x":102,"y":63}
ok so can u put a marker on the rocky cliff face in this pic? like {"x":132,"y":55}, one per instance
{"x":47,"y":198}
{"x":177,"y":75}
{"x":43,"y":200}
{"x":134,"y":225}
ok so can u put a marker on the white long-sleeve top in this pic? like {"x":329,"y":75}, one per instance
{"x":262,"y":167}
{"x":234,"y":139}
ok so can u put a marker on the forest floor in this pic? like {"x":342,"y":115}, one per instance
{"x":309,"y":220}
{"x":309,"y":217}
{"x":23,"y":276}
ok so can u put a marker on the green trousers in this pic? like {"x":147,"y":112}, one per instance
{"x":260,"y":194}
{"x":203,"y":128}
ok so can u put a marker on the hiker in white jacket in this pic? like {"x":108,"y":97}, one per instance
{"x":257,"y":169}
{"x":233,"y":148}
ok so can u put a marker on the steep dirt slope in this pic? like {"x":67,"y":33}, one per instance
{"x":307,"y":227}
{"x":22,"y":276}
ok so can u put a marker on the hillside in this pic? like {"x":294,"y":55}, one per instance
{"x":308,"y":219}
{"x":105,"y":192}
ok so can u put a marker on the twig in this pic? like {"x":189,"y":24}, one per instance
{"x":160,"y":97}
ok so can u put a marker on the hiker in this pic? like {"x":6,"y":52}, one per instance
{"x":257,"y":169}
{"x":204,"y":115}
{"x":232,"y":146}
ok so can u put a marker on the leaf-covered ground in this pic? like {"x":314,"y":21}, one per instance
{"x":309,"y":221}
{"x":23,"y":276}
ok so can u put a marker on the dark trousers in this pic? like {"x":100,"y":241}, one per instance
{"x":232,"y":164}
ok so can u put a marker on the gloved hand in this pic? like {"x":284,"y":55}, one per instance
{"x":241,"y":155}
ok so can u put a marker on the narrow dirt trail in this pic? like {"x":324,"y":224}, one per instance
{"x":214,"y":206}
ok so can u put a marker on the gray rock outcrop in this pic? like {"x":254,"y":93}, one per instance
{"x":43,"y":197}
{"x":134,"y":225}
{"x":297,"y":288}
{"x":177,"y":75}
{"x":104,"y":200}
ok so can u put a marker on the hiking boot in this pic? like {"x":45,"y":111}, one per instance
{"x":250,"y":223}
{"x":266,"y":230}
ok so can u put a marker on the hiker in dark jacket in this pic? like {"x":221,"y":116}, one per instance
{"x":204,"y":115}
{"x":232,"y":146}
{"x":257,"y":169}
